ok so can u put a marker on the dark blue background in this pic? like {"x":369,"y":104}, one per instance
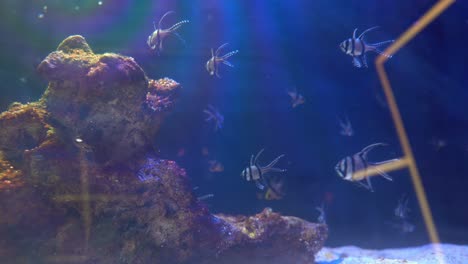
{"x":282,"y":45}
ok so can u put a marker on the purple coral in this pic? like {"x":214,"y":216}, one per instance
{"x":150,"y":170}
{"x":153,"y":169}
{"x":159,"y":103}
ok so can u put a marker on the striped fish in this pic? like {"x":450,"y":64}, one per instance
{"x":357,"y":48}
{"x":255,"y":172}
{"x":212,"y":65}
{"x":155,"y":40}
{"x":357,"y":162}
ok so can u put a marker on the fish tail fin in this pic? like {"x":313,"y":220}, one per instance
{"x":376,"y":47}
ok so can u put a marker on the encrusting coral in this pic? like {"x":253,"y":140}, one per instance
{"x":79,"y":181}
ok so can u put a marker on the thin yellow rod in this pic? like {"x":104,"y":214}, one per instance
{"x":419,"y":25}
{"x":67,"y":259}
{"x":409,"y":34}
{"x":95,"y":197}
{"x":85,"y":201}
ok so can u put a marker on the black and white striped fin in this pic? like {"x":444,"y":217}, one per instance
{"x":259,"y":185}
{"x":178,"y":25}
{"x":357,"y":62}
{"x":227,"y":55}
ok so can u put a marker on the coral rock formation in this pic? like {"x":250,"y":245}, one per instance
{"x":79,"y":183}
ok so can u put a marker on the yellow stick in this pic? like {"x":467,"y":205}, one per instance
{"x":409,"y":34}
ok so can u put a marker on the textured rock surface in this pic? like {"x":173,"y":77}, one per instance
{"x":262,"y":238}
{"x":79,"y":183}
{"x":451,"y":254}
{"x":99,"y":98}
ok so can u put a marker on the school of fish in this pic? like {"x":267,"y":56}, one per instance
{"x":270,"y":184}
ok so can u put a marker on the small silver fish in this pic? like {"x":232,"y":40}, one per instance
{"x":406,"y":227}
{"x":357,"y":162}
{"x":346,"y":127}
{"x":400,"y":221}
{"x":214,"y":116}
{"x":204,"y":197}
{"x":357,"y":48}
{"x":255,"y":172}
{"x":155,"y":40}
{"x":402,"y":210}
{"x":212,"y":64}
{"x":438,"y":143}
{"x":296,"y":98}
{"x":322,"y":219}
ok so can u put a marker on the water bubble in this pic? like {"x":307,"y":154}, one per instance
{"x":40,"y":15}
{"x":77,"y":8}
{"x":44,"y":8}
{"x":99,"y":3}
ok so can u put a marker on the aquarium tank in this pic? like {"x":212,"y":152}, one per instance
{"x":233,"y":131}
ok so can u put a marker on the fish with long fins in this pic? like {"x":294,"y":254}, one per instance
{"x":357,"y":47}
{"x":212,"y":65}
{"x":155,"y":40}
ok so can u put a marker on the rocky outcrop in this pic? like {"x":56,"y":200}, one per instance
{"x":79,"y":181}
